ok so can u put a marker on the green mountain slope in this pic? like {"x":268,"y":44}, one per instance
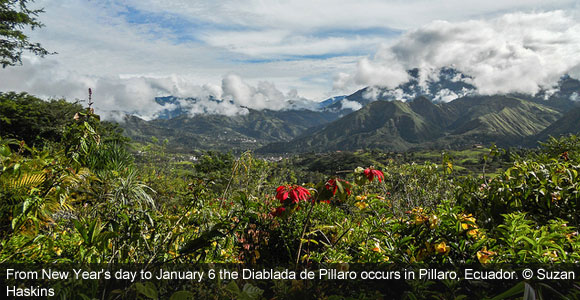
{"x":400,"y":126}
{"x":219,"y":132}
{"x":499,"y":119}
{"x":381,"y":123}
{"x":569,"y":123}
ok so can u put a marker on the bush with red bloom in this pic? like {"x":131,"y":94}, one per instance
{"x":342,"y":186}
{"x":334,"y":188}
{"x":295,"y":193}
{"x":372,"y":173}
{"x":278,"y":212}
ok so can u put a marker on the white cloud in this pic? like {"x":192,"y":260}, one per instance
{"x":45,"y":79}
{"x":281,"y":44}
{"x":142,"y":48}
{"x":306,"y":15}
{"x":513,"y":53}
{"x":396,"y":94}
{"x":263,"y":96}
{"x":347,"y":104}
{"x":206,"y":106}
{"x":388,"y":73}
{"x":136,"y":95}
{"x":445,"y":95}
{"x":94,"y":38}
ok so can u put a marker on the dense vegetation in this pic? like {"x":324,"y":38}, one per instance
{"x":74,"y":191}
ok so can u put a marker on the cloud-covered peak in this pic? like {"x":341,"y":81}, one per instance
{"x":513,"y":53}
{"x":115,"y":95}
{"x":133,"y":51}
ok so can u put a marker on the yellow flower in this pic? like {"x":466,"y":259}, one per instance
{"x":420,"y":219}
{"x":361,"y":205}
{"x":469,"y":222}
{"x":468,"y":218}
{"x":442,"y":248}
{"x":58,"y":251}
{"x":361,"y":197}
{"x":417,"y":210}
{"x":552,"y":254}
{"x":484,"y":256}
{"x":433,"y":221}
{"x":473,"y":233}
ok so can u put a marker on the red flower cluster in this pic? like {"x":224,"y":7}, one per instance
{"x":294,"y":192}
{"x":332,"y":185}
{"x":371,"y":173}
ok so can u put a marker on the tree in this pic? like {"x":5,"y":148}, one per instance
{"x":15,"y":16}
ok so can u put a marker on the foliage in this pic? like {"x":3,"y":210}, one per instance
{"x":93,"y":199}
{"x":25,"y":117}
{"x":15,"y":15}
{"x":548,"y":188}
{"x":41,"y":123}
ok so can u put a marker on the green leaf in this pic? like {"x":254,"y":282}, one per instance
{"x":4,"y":150}
{"x":527,"y":239}
{"x":251,"y":292}
{"x":529,"y":293}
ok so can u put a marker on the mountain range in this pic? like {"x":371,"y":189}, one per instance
{"x":220,"y":132}
{"x":414,"y":115}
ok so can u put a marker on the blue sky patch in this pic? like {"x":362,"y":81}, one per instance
{"x":183,"y":30}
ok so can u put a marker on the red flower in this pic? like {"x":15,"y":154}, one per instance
{"x":278,"y":212}
{"x":564,"y":156}
{"x":332,"y":185}
{"x":294,"y":192}
{"x":371,"y":173}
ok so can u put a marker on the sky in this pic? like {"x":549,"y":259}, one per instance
{"x":260,"y":53}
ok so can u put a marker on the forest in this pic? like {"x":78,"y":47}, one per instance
{"x":76,"y":191}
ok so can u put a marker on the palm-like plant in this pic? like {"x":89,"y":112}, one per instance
{"x":129,"y":190}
